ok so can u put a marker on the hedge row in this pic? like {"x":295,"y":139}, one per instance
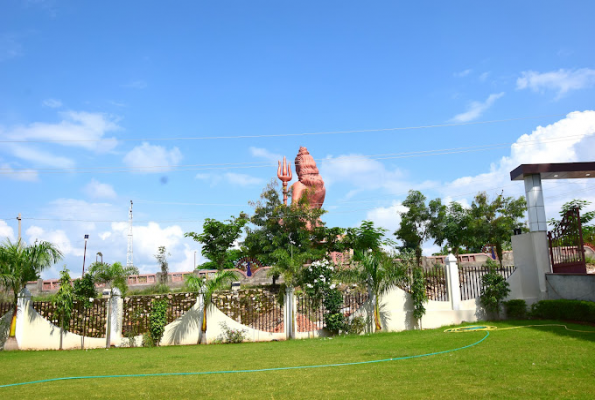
{"x":571,"y":310}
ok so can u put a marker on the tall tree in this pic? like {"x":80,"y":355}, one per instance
{"x":64,"y":302}
{"x":113,"y":275}
{"x":493,"y":222}
{"x":207,"y":287}
{"x":84,"y":291}
{"x":218,"y":237}
{"x":449,"y":225}
{"x":366,"y":237}
{"x":20,"y":263}
{"x":413,"y":228}
{"x":161,"y":258}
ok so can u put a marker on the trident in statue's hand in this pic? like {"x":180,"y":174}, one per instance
{"x":285,"y":176}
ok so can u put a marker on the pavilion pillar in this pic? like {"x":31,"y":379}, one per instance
{"x":535,"y":205}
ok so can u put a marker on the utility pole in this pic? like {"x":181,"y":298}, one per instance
{"x":19,"y":219}
{"x":85,"y":254}
{"x":129,"y":256}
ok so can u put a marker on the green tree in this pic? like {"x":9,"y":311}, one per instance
{"x":413,"y":229}
{"x":418,"y":293}
{"x":207,"y":287}
{"x":449,"y":225}
{"x":161,"y":258}
{"x":586,"y":218}
{"x":20,"y":263}
{"x":494,"y":221}
{"x":64,"y":302}
{"x":218,"y":237}
{"x":379,"y":272}
{"x":113,"y":275}
{"x":84,"y":292}
{"x":366,"y":237}
{"x":157,"y":320}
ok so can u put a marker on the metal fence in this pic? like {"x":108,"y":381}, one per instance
{"x":255,"y":308}
{"x":137,"y":310}
{"x":470,"y":279}
{"x":90,"y":322}
{"x":310,"y":313}
{"x":5,"y":307}
{"x":436,"y":286}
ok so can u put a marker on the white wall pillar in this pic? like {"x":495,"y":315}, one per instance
{"x":290,"y":313}
{"x":535,"y":205}
{"x":453,"y":282}
{"x":117,"y":307}
{"x":23,"y":304}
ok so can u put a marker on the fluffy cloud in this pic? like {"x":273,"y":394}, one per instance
{"x":52,"y":103}
{"x":562,"y":81}
{"x":6,"y":171}
{"x":57,"y":237}
{"x":463,"y":73}
{"x":264,"y":153}
{"x":231,"y":177}
{"x":366,"y":174}
{"x":147,"y":155}
{"x":6,"y":232}
{"x":74,"y":126}
{"x":571,"y":139}
{"x":98,"y":190}
{"x":477,"y":108}
{"x":39,"y":157}
{"x":387,"y":217}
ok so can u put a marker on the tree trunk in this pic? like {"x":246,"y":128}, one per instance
{"x":13,"y":321}
{"x":377,"y":314}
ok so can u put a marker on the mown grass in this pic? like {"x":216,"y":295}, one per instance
{"x":546,"y":362}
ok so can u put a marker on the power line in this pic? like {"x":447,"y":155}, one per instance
{"x":248,"y":165}
{"x":283,"y":134}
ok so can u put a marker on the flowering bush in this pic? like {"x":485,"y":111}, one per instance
{"x":318,"y":284}
{"x":230,"y":335}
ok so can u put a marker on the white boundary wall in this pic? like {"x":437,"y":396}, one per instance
{"x":33,"y":332}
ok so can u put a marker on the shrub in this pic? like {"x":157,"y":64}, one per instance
{"x":574,"y":310}
{"x":148,"y":340}
{"x":515,"y":309}
{"x":356,"y":326}
{"x":158,"y":320}
{"x":231,"y":335}
{"x":494,"y":289}
{"x":418,"y":293}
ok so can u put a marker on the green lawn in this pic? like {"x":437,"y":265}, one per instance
{"x":521,"y":363}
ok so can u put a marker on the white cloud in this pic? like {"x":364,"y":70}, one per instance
{"x":366,"y":174}
{"x":39,"y":157}
{"x":387,"y":217}
{"x":6,"y":232}
{"x":264,"y":153}
{"x":243,"y":179}
{"x":52,"y":103}
{"x":484,"y":76}
{"x":73,"y":126}
{"x":231,"y":177}
{"x":571,"y":139}
{"x":477,"y":108}
{"x":562,"y":81}
{"x":98,"y":190}
{"x":463,"y":73}
{"x":147,"y":155}
{"x":138,"y":84}
{"x":8,"y":172}
{"x":57,"y":237}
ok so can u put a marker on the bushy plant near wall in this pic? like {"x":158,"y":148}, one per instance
{"x":573,"y":310}
{"x":515,"y":309}
{"x":158,"y":320}
{"x":494,"y":289}
{"x":318,"y":284}
{"x":418,"y":293}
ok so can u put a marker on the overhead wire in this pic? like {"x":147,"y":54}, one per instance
{"x":432,"y":126}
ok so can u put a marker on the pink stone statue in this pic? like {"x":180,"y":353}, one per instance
{"x":310,"y":182}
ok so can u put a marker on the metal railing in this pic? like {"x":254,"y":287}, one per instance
{"x":470,"y":279}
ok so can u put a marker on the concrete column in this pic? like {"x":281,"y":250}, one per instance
{"x":290,"y":313}
{"x":116,"y":316}
{"x":532,"y":261}
{"x":23,"y":304}
{"x":535,"y":206}
{"x":200,"y":301}
{"x":454,"y":285}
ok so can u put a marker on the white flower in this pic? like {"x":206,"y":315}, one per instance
{"x":309,"y":285}
{"x":333,"y":286}
{"x":315,"y":280}
{"x":91,"y":299}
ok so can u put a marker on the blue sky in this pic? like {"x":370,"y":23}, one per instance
{"x":127,"y":80}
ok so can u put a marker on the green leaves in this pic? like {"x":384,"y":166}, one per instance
{"x":494,"y":289}
{"x":64,"y":299}
{"x":217,"y":237}
{"x":112,"y":274}
{"x":157,"y":320}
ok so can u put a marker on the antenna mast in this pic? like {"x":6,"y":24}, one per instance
{"x":129,"y":257}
